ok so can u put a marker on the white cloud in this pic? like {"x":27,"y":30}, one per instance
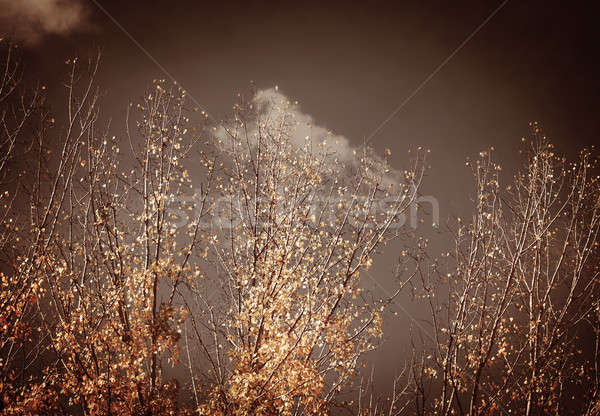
{"x":30,"y":20}
{"x":273,"y":104}
{"x":305,"y":125}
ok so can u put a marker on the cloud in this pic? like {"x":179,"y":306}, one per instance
{"x":274,"y":105}
{"x":30,"y":20}
{"x":306,"y":129}
{"x":305,"y":126}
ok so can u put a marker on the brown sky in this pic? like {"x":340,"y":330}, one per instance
{"x":351,"y":65}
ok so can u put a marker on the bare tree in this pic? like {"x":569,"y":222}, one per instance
{"x":296,"y":226}
{"x":216,"y":269}
{"x":255,"y":273}
{"x":512,"y":319}
{"x":129,"y":288}
{"x":114,"y":266}
{"x":22,"y":119}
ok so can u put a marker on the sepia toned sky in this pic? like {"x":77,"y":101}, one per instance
{"x":349,"y":66}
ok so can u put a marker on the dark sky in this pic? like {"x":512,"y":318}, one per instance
{"x":350,"y":65}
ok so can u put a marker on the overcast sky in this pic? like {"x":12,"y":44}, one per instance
{"x":349,"y":66}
